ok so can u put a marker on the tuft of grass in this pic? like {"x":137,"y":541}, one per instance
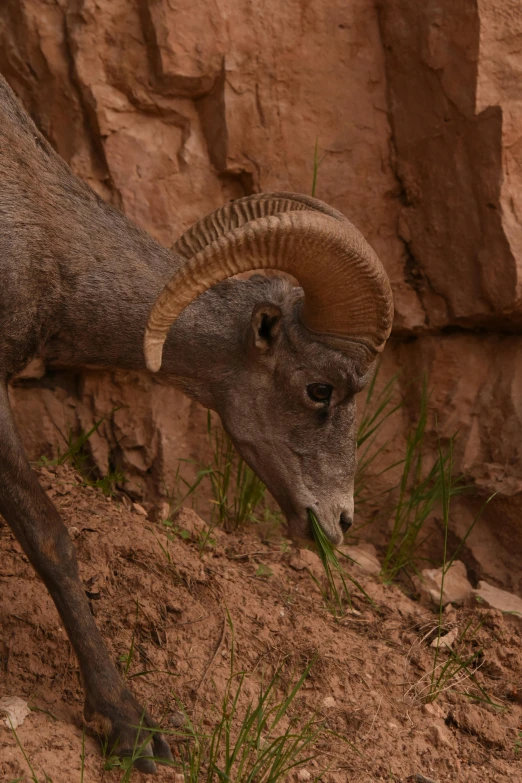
{"x":236,"y":489}
{"x":378,"y":407}
{"x":255,"y":749}
{"x":76,"y":454}
{"x":238,"y":495}
{"x":417,"y":494}
{"x":250,"y":745}
{"x":420,"y":492}
{"x":454,"y":667}
{"x":332,"y":567}
{"x":260,"y":743}
{"x":459,"y":666}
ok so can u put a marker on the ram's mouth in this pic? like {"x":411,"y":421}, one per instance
{"x":334,"y":533}
{"x":301,"y":526}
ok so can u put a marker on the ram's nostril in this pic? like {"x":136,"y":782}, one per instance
{"x":345,"y":521}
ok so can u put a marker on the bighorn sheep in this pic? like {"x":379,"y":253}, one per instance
{"x":83,"y":286}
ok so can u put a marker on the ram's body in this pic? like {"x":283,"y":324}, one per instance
{"x":69,"y":262}
{"x":78,"y":281}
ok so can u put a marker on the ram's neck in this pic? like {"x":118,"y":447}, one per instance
{"x":82,"y":278}
{"x":110,"y":276}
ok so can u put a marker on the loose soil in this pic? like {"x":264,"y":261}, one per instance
{"x":368,"y":682}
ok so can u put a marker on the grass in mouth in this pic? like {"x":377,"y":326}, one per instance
{"x":328,"y":554}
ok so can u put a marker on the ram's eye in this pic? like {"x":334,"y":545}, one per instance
{"x":320,"y":392}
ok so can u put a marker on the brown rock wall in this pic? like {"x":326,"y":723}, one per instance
{"x":454,"y":104}
{"x":498,"y":84}
{"x":475,"y":388}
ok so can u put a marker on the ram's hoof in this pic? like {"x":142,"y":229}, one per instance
{"x":144,"y":762}
{"x":131,"y":732}
{"x":145,"y":757}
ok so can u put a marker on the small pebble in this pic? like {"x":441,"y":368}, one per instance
{"x":176,"y":719}
{"x":433,"y":709}
{"x":162,"y":511}
{"x":446,"y":641}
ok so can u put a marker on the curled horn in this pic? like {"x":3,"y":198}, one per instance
{"x":347,"y":297}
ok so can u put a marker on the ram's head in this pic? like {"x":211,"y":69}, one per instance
{"x":305,"y":352}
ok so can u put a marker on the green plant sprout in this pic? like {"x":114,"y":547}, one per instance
{"x":420,"y":491}
{"x":328,"y":554}
{"x":250,"y":745}
{"x":238,"y":495}
{"x":76,"y":455}
{"x":317,"y":164}
{"x":378,"y":407}
{"x":457,"y":667}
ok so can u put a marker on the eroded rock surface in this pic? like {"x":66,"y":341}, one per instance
{"x":505,"y":602}
{"x":456,"y":590}
{"x":455,"y":111}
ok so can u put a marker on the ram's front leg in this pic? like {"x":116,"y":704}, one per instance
{"x":45,"y":540}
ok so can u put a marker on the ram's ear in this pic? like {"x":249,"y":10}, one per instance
{"x":266,"y":325}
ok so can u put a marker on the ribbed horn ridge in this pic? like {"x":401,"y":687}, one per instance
{"x":347,"y":303}
{"x":244,"y":210}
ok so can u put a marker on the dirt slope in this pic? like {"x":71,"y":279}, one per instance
{"x":366,"y":683}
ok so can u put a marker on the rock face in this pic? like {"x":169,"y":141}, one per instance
{"x":168,"y":110}
{"x":505,"y":602}
{"x":454,"y":111}
{"x":457,"y":589}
